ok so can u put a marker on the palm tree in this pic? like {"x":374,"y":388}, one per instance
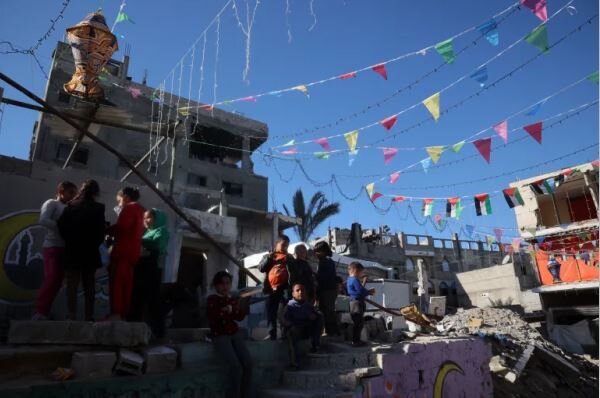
{"x":319,"y":209}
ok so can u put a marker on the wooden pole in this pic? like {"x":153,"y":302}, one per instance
{"x":143,"y":158}
{"x":168,"y":201}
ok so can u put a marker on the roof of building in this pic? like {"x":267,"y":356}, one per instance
{"x":561,"y":287}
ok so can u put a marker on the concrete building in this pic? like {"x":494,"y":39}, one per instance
{"x":203,"y":164}
{"x":562,"y":222}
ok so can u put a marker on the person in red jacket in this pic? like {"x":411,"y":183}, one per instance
{"x":127,"y":234}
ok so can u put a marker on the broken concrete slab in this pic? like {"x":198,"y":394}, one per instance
{"x":160,"y":359}
{"x":93,"y":363}
{"x":129,"y":362}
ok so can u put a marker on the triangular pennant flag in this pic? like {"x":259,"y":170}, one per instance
{"x":375,"y":196}
{"x":542,"y":187}
{"x":134,"y":91}
{"x":457,"y":147}
{"x":388,"y":154}
{"x":538,"y":7}
{"x":596,"y":163}
{"x":483,"y":206}
{"x":469,"y":230}
{"x":535,"y":130}
{"x":539,"y":38}
{"x":291,"y":151}
{"x":380,"y":69}
{"x":370,"y":188}
{"x":351,"y":157}
{"x":351,"y":140}
{"x":394,"y":177}
{"x":535,"y":109}
{"x":248,"y":99}
{"x":480,"y":75}
{"x":516,"y":244}
{"x":490,"y":31}
{"x":593,"y":77}
{"x":348,"y":75}
{"x":489,"y":239}
{"x":513,"y":197}
{"x":453,"y":207}
{"x":303,"y":89}
{"x":322,"y":155}
{"x":122,"y":17}
{"x":484,"y":146}
{"x":389,"y":122}
{"x":427,"y":207}
{"x":324,"y":143}
{"x":398,"y":199}
{"x":446,"y":51}
{"x":435,"y":152}
{"x":502,"y":130}
{"x":425,"y":164}
{"x":498,"y":232}
{"x":433,"y":105}
{"x":289,"y":143}
{"x":438,"y":218}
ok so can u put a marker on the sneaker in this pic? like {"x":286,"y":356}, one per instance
{"x":39,"y":317}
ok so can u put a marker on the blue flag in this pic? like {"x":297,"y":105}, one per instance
{"x":480,"y":75}
{"x":490,"y":31}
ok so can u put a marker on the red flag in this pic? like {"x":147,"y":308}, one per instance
{"x":484,"y":147}
{"x":398,"y":199}
{"x":394,"y":177}
{"x":535,"y":130}
{"x":375,"y":196}
{"x":596,"y":163}
{"x":348,"y":75}
{"x":389,"y":122}
{"x":380,"y":69}
{"x":538,"y":7}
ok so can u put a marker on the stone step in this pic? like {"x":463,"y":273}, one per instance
{"x":294,"y":393}
{"x":341,"y":361}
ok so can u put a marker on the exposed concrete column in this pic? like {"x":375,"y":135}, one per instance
{"x":246,"y":161}
{"x":458,"y":251}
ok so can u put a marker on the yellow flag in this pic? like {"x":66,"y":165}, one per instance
{"x":351,"y":140}
{"x":435,"y":152}
{"x":302,"y":88}
{"x":370,"y":187}
{"x":433,"y":105}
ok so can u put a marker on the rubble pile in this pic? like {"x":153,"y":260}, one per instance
{"x":524,"y":362}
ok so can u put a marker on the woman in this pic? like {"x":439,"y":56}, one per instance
{"x":223,"y":311}
{"x":82,"y":225}
{"x":127,"y":233}
{"x":327,"y":287}
{"x":148,"y":272}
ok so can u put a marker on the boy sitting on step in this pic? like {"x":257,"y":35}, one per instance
{"x":301,"y":321}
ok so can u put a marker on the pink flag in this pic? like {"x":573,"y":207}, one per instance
{"x":398,"y":199}
{"x":389,"y":122}
{"x":375,"y":196}
{"x":538,"y":7}
{"x":498,"y":232}
{"x":535,"y":130}
{"x":324,"y":143}
{"x":134,"y":91}
{"x":596,"y":163}
{"x":484,"y":147}
{"x":248,"y":99}
{"x":394,"y":177}
{"x":502,"y":130}
{"x":207,"y":107}
{"x":380,"y":69}
{"x":388,"y":154}
{"x":291,"y":151}
{"x":437,"y":218}
{"x":349,"y":75}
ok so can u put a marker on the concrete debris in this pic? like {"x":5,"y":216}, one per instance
{"x":93,"y":363}
{"x":129,"y":362}
{"x":524,"y":364}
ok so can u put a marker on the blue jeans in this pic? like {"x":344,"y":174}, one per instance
{"x":234,"y":354}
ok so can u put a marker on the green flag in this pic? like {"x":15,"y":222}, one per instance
{"x":122,"y":17}
{"x":593,"y":77}
{"x":445,"y":50}
{"x":539,"y":38}
{"x":458,"y":146}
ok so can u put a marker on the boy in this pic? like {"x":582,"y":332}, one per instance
{"x":357,"y":293}
{"x":301,"y":320}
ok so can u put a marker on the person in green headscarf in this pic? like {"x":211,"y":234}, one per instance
{"x":145,"y":303}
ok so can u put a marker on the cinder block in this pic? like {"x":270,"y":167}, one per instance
{"x":160,"y":359}
{"x":93,"y":363}
{"x":129,"y":362}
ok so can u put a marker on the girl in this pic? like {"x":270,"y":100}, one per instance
{"x":223,"y":311}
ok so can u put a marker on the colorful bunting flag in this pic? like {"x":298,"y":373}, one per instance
{"x":542,"y":187}
{"x":352,"y":157}
{"x":457,"y":147}
{"x":389,"y":122}
{"x":134,"y":91}
{"x":469,"y":230}
{"x":480,"y":75}
{"x":498,"y":232}
{"x":453,"y":207}
{"x":538,"y":7}
{"x":349,"y":75}
{"x":388,"y":154}
{"x":322,"y":155}
{"x":593,"y":77}
{"x":490,"y":240}
{"x":380,"y":69}
{"x":490,"y":31}
{"x":516,"y":244}
{"x":324,"y":143}
{"x":351,"y":140}
{"x":370,"y":187}
{"x":435,"y":152}
{"x":433,"y":105}
{"x":425,"y":164}
{"x":539,"y":38}
{"x":596,"y":163}
{"x":483,"y":206}
{"x":484,"y":146}
{"x":122,"y":17}
{"x":535,"y":130}
{"x":375,"y":196}
{"x":445,"y":49}
{"x":398,"y":199}
{"x":438,"y":219}
{"x":248,"y":99}
{"x":291,"y":151}
{"x":394,"y":177}
{"x":535,"y":109}
{"x":303,"y":89}
{"x":513,"y":197}
{"x":289,"y":143}
{"x":502,"y":130}
{"x":427,"y":207}
{"x":563,"y":177}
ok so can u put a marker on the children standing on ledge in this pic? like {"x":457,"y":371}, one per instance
{"x":358,"y":293}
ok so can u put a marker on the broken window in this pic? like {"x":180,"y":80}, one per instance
{"x":444,"y":289}
{"x":218,"y":146}
{"x":232,"y":188}
{"x":196,"y":180}
{"x":445,"y":266}
{"x":409,"y":265}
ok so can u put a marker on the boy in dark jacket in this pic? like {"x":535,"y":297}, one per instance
{"x":301,"y":320}
{"x":327,"y":288}
{"x":358,"y":293}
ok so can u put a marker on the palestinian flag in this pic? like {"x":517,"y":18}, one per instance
{"x":483,"y":206}
{"x":427,"y":207}
{"x":513,"y":197}
{"x":453,"y":207}
{"x":542,"y":187}
{"x":564,"y":176}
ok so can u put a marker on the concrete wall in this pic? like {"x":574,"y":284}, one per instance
{"x":433,"y":368}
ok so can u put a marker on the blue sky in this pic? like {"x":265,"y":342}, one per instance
{"x":349,"y":35}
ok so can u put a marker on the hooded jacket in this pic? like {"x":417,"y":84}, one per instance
{"x":156,"y":239}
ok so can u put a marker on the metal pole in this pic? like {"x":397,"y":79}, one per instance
{"x":143,"y":158}
{"x":168,"y":201}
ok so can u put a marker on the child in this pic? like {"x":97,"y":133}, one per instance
{"x":53,"y":248}
{"x":357,"y":293}
{"x":327,"y":288}
{"x":223,"y":311}
{"x":301,"y":320}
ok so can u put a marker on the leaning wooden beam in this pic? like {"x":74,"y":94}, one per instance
{"x":143,"y":158}
{"x":168,"y":201}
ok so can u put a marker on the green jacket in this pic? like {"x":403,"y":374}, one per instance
{"x":156,"y":239}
